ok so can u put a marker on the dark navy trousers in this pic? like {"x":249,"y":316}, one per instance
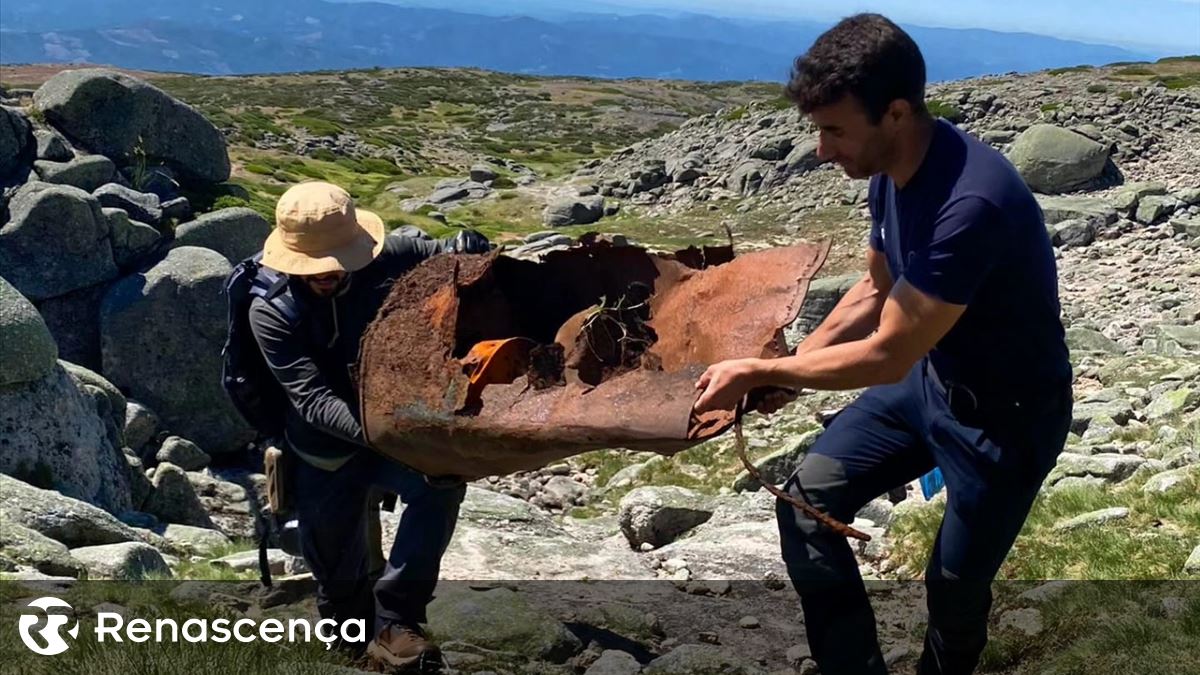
{"x":332,"y":508}
{"x":994,"y":453}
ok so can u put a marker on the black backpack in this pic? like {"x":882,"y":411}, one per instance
{"x":252,"y":386}
{"x":247,"y":379}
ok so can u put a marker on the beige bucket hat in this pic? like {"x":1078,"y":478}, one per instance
{"x":318,"y":230}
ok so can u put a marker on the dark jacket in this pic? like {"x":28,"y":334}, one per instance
{"x":313,"y":356}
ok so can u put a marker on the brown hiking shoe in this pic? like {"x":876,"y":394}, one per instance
{"x":404,"y":646}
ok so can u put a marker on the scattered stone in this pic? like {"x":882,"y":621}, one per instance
{"x":183,"y":454}
{"x":573,"y":211}
{"x":52,"y":147}
{"x":174,"y":499}
{"x":86,"y":173}
{"x":1092,"y":518}
{"x":658,"y":515}
{"x":501,"y":620}
{"x":141,"y":206}
{"x":697,"y":659}
{"x":130,"y":561}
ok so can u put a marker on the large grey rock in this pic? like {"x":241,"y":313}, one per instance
{"x":1178,"y":340}
{"x":143,"y":207}
{"x":200,"y":540}
{"x":129,"y":561}
{"x":1091,"y":519}
{"x":70,"y":521}
{"x":131,"y":121}
{"x":658,"y":515}
{"x":802,"y":158}
{"x":56,"y":241}
{"x":1073,"y":233}
{"x":74,"y":321}
{"x":161,"y":337}
{"x":53,"y":435}
{"x":141,"y":425}
{"x":1057,"y":209}
{"x":110,"y":402}
{"x":131,"y":240}
{"x":1109,"y":467}
{"x":1052,"y":159}
{"x":52,"y":146}
{"x":27,"y":350}
{"x":614,"y":662}
{"x":692,"y":659}
{"x":502,"y":537}
{"x":1150,"y":209}
{"x":747,"y":178}
{"x":174,"y":499}
{"x":229,"y":505}
{"x":502,"y":620}
{"x":183,"y":454}
{"x":481,"y":173}
{"x":244,"y":561}
{"x":30,"y":548}
{"x":1186,"y":226}
{"x":1168,"y":481}
{"x":822,"y":296}
{"x":456,"y":189}
{"x":1080,"y":339}
{"x":573,"y":211}
{"x":235,"y":233}
{"x":17,"y":145}
{"x":86,"y":173}
{"x":1173,"y":402}
{"x":685,"y":170}
{"x":1126,"y":198}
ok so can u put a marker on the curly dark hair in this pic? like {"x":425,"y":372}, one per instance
{"x":865,"y":55}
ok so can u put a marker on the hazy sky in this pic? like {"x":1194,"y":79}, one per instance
{"x":1170,"y":25}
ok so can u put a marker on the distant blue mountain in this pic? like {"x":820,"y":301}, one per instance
{"x":226,"y":37}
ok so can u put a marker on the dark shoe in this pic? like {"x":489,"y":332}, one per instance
{"x":404,"y":646}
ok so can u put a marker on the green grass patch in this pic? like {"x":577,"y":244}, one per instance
{"x":1097,"y":89}
{"x":947,"y":111}
{"x":1136,"y":71}
{"x":1051,"y":107}
{"x":735,"y":114}
{"x":1190,"y":58}
{"x":1125,"y":95}
{"x":317,"y":126}
{"x":1101,"y":627}
{"x":1152,"y":543}
{"x":1180,"y":81}
{"x":260,"y":169}
{"x":1069,"y":69}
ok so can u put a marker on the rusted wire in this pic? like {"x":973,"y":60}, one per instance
{"x":739,"y":444}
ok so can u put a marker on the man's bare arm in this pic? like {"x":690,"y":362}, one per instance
{"x":857,"y":314}
{"x":911,"y":323}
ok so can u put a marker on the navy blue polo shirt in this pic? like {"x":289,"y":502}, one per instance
{"x":968,"y":231}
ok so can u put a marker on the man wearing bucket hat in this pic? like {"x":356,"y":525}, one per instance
{"x":337,"y":267}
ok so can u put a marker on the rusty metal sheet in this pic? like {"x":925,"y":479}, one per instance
{"x":420,"y":406}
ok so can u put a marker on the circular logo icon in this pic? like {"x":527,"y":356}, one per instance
{"x":51,"y":641}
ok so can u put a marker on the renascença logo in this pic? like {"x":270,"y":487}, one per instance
{"x":50,"y":634}
{"x":111,"y":625}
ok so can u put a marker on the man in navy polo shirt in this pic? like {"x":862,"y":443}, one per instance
{"x":955,"y":333}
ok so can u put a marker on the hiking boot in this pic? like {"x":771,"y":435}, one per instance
{"x":404,"y":646}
